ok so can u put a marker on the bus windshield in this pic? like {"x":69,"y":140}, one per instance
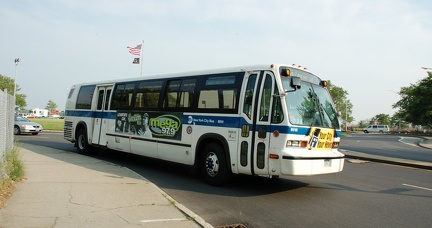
{"x":310,"y":105}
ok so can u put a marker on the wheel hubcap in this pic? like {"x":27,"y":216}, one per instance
{"x":212,"y":164}
{"x":81,"y":142}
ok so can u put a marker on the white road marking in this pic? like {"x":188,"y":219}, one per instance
{"x":411,"y":144}
{"x":413,"y":186}
{"x":163,"y":220}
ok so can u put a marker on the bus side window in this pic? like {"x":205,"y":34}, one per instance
{"x":85,"y":97}
{"x":186,"y":93}
{"x":247,"y":105}
{"x":148,"y":94}
{"x":180,"y":93}
{"x":123,"y":94}
{"x":208,"y":99}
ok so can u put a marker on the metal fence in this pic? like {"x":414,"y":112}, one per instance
{"x":7,"y":116}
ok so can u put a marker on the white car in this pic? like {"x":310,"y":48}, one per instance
{"x":23,"y":125}
{"x":376,"y":128}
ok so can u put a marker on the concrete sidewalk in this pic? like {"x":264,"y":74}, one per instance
{"x":63,"y":189}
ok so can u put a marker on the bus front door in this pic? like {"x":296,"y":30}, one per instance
{"x":100,"y":124}
{"x":255,"y":137}
{"x":261,"y":135}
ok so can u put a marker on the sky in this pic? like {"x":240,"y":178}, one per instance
{"x":370,"y":48}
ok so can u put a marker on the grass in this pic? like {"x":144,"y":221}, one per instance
{"x":12,"y":170}
{"x":50,"y":124}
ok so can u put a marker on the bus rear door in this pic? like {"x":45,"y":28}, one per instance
{"x":100,"y":124}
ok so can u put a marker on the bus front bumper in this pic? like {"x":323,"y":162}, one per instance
{"x":311,"y":165}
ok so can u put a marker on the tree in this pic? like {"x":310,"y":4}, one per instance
{"x":381,"y":119}
{"x":9,"y":84}
{"x":51,"y":105}
{"x":415,"y":105}
{"x":339,"y":96}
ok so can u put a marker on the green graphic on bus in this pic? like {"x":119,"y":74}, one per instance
{"x":149,"y":125}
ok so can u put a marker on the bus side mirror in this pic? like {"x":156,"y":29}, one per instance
{"x":295,"y":82}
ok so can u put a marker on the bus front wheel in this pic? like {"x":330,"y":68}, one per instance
{"x":214,"y":163}
{"x":82,"y":144}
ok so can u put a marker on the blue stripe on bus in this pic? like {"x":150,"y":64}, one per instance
{"x":202,"y":120}
{"x":91,"y":114}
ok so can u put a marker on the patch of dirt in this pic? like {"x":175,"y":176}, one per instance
{"x":6,"y":193}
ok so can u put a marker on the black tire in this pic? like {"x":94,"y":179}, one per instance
{"x":214,"y":165}
{"x":81,"y":142}
{"x":365,"y":131}
{"x":17,"y":130}
{"x":381,"y":131}
{"x":35,"y":133}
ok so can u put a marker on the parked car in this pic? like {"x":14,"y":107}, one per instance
{"x":23,"y":125}
{"x":376,"y":128}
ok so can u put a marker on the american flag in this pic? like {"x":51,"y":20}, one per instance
{"x":135,"y":50}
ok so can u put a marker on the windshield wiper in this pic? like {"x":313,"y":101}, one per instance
{"x":315,"y":99}
{"x":334,"y":124}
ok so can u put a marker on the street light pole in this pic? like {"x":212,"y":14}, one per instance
{"x":346,"y":116}
{"x":15,"y":80}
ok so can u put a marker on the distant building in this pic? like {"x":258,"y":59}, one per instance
{"x":39,"y":112}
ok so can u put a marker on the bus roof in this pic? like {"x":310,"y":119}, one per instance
{"x":273,"y":67}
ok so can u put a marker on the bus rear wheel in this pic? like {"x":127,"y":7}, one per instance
{"x":82,"y":144}
{"x":215,"y":168}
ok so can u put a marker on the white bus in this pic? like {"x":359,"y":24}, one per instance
{"x":264,"y":120}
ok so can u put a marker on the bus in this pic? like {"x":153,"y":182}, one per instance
{"x":264,"y":120}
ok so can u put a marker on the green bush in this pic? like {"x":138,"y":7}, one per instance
{"x":15,"y":166}
{"x":11,"y":170}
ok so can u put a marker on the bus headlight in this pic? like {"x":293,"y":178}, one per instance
{"x":294,"y":143}
{"x":335,"y":145}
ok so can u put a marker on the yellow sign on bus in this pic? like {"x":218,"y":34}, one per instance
{"x":320,"y":139}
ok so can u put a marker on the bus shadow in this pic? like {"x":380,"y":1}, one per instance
{"x":171,"y":175}
{"x":166,"y":175}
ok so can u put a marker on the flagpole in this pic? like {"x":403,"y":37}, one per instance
{"x":142,"y":47}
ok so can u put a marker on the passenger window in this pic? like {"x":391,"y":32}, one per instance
{"x":148,"y":94}
{"x":85,"y":97}
{"x":180,"y":93}
{"x":123,"y":96}
{"x":208,"y":99}
{"x":219,"y":93}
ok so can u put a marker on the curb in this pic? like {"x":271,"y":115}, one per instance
{"x":388,"y":160}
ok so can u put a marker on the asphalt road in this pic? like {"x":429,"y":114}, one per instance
{"x":387,"y":145}
{"x":364,"y":194}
